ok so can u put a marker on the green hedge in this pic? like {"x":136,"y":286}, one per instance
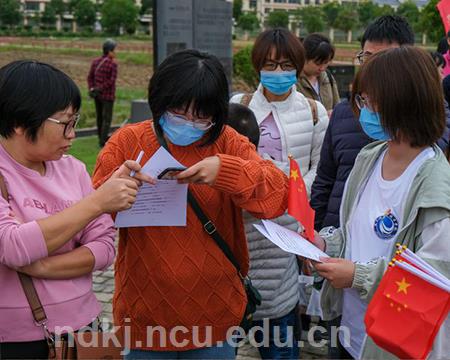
{"x":243,"y":68}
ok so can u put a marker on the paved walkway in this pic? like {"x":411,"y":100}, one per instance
{"x":103,"y":283}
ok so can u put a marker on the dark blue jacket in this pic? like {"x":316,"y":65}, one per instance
{"x":343,"y":141}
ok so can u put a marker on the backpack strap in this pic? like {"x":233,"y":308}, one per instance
{"x":330,"y":77}
{"x":314,"y":110}
{"x":246,"y":99}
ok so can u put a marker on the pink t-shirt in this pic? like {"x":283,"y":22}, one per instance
{"x":32,"y":197}
{"x":269,"y":139}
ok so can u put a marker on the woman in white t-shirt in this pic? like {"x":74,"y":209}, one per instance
{"x":398,"y":192}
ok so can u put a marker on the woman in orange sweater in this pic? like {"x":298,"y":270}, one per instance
{"x":177,"y":295}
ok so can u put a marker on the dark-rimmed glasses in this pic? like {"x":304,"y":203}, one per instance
{"x":271,"y":65}
{"x":68,"y":125}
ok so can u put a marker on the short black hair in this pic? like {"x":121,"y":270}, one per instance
{"x":190,"y":77}
{"x":318,"y":48}
{"x":285,"y":43}
{"x":31,"y":92}
{"x":389,"y":28}
{"x":109,"y":45}
{"x":243,"y":120}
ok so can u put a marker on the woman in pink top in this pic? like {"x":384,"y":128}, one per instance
{"x":54,"y":226}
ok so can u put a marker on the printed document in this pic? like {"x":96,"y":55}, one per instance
{"x":163,"y":204}
{"x":289,"y":240}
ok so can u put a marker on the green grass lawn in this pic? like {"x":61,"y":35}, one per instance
{"x":86,"y":150}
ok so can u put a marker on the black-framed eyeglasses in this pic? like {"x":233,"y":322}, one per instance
{"x":68,"y":125}
{"x":363,"y":56}
{"x":271,"y":65}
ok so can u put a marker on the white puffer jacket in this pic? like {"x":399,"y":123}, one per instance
{"x":273,"y":271}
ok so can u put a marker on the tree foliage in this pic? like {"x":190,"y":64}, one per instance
{"x":48,"y":17}
{"x":347,"y":18}
{"x":430,"y":21}
{"x":58,"y":6}
{"x":278,"y":19}
{"x":248,"y":22}
{"x":117,"y":14}
{"x":146,"y":7}
{"x":10,"y":14}
{"x":410,"y":12}
{"x":313,"y":19}
{"x":367,"y":12}
{"x":331,"y":11}
{"x":243,"y":68}
{"x":84,"y":13}
{"x":237,"y":9}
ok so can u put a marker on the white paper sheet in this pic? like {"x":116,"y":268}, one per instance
{"x":289,"y":240}
{"x":163,"y":204}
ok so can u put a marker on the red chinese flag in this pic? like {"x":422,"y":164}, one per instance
{"x":298,"y":204}
{"x":406,"y":313}
{"x":444,"y":10}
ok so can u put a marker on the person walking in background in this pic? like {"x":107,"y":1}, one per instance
{"x":289,"y":125}
{"x":316,"y":81}
{"x":102,"y":88}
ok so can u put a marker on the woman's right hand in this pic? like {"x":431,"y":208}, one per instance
{"x":116,"y":194}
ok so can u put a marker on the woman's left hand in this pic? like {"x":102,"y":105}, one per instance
{"x":204,"y":172}
{"x":339,"y":272}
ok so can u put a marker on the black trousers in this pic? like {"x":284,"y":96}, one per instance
{"x":104,"y":111}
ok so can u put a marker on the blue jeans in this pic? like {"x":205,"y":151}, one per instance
{"x":281,"y":341}
{"x":213,"y":352}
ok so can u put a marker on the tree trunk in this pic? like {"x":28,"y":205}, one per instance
{"x":74,"y":26}
{"x":424,"y":38}
{"x":349,"y":36}
{"x":246,"y":35}
{"x":331,"y":34}
{"x":58,"y":23}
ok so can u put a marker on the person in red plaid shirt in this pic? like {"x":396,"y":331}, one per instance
{"x":102,"y":87}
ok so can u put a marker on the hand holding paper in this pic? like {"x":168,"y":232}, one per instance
{"x":290,"y":241}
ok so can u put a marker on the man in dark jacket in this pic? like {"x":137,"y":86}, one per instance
{"x":344,"y":137}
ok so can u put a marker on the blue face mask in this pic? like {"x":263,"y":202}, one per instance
{"x":371,"y":124}
{"x":179,"y":134}
{"x":278,"y":82}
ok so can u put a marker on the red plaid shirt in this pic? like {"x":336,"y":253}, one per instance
{"x":103,"y":78}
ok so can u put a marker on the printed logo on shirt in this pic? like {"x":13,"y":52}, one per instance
{"x":49,"y":208}
{"x":386,"y":225}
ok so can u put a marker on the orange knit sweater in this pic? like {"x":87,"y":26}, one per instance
{"x":178,"y":276}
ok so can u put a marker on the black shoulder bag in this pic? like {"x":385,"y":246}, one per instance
{"x":253,"y":295}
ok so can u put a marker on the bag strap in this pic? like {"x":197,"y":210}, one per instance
{"x":246,"y":99}
{"x":208,"y":225}
{"x":98,"y":67}
{"x":314,"y":110}
{"x":39,"y":315}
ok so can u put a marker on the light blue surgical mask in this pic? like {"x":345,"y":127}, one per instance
{"x":371,"y":124}
{"x":278,"y":82}
{"x":182,"y":134}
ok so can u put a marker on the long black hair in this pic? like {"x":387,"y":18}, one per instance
{"x":186,"y":78}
